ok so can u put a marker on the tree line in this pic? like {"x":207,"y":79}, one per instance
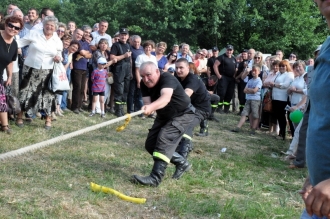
{"x":267,"y":25}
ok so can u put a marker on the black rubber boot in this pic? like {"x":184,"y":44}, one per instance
{"x":181,"y":165}
{"x":156,"y":175}
{"x":122,"y":112}
{"x":118,"y":110}
{"x":204,"y":131}
{"x":219,"y":109}
{"x":212,"y":117}
{"x":226,"y":108}
{"x":185,"y":146}
{"x":240,"y":110}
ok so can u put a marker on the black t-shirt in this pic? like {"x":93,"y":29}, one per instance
{"x":210,"y":63}
{"x":208,"y":87}
{"x":8,"y":54}
{"x":115,"y":50}
{"x":227,"y":65}
{"x":241,"y":67}
{"x":179,"y":100}
{"x":200,"y":99}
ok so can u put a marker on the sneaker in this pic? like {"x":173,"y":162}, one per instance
{"x":91,"y":114}
{"x":236,"y":129}
{"x":81,"y":110}
{"x":252,"y":132}
{"x":102,"y":115}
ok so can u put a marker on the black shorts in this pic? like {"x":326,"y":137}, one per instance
{"x":98,"y":93}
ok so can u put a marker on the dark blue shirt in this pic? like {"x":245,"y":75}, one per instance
{"x":161,"y":62}
{"x":135,"y":54}
{"x":81,"y":63}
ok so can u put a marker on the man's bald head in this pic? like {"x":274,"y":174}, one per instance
{"x":150,"y":74}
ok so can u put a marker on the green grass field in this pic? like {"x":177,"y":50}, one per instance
{"x":53,"y":182}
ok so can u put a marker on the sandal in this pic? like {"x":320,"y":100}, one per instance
{"x":6,"y":129}
{"x":48,"y":124}
{"x":19,"y":122}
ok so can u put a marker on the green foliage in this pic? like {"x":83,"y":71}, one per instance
{"x":264,"y":25}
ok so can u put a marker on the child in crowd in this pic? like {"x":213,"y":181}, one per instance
{"x":98,"y":78}
{"x":253,"y":100}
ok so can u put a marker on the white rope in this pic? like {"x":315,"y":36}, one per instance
{"x":42,"y":144}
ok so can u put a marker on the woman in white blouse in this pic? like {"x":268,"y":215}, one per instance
{"x":45,"y":48}
{"x":280,"y":95}
{"x":296,"y":89}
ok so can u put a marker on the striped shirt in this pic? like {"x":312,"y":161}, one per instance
{"x":98,"y":78}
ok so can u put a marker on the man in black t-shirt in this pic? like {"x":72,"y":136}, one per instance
{"x":122,"y":71}
{"x":225,"y":69}
{"x":200,"y":99}
{"x":211,"y":61}
{"x":164,"y":94}
{"x":211,"y":86}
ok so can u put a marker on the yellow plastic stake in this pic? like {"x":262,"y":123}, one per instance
{"x":98,"y":188}
{"x":127,"y":120}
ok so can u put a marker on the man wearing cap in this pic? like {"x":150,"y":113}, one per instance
{"x":122,"y":70}
{"x":164,"y":94}
{"x":225,"y":69}
{"x":211,"y":61}
{"x":240,"y":82}
{"x":101,"y":33}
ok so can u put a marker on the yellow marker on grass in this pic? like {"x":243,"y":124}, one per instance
{"x":98,"y":188}
{"x":127,"y":120}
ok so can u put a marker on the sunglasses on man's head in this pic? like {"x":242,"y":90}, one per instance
{"x":10,"y":25}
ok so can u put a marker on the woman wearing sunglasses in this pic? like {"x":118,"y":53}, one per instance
{"x":8,"y":54}
{"x":61,"y":30}
{"x":171,"y":58}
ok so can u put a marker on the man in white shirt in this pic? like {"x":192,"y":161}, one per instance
{"x":185,"y":53}
{"x":202,"y":68}
{"x":97,"y":35}
{"x":33,"y":16}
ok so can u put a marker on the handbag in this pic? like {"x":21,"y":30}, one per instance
{"x":13,"y":105}
{"x":58,"y":80}
{"x":110,"y":78}
{"x":267,"y":102}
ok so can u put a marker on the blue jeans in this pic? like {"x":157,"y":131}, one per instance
{"x":65,"y":93}
{"x":306,"y":216}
